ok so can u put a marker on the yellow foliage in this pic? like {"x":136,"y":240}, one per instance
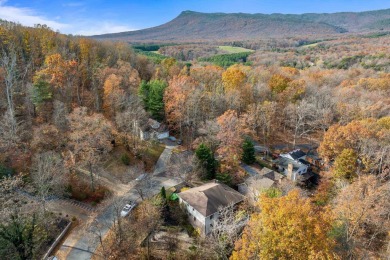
{"x":290,"y":71}
{"x":233,"y":78}
{"x":382,"y":83}
{"x":288,"y":227}
{"x":278,"y":83}
{"x":338,"y":137}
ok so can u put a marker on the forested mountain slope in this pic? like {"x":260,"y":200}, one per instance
{"x":192,"y":26}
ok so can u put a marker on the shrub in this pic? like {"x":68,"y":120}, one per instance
{"x":5,"y":172}
{"x":125,"y":159}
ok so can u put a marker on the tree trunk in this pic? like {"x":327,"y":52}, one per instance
{"x":92,"y":179}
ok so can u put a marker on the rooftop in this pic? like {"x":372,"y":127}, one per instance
{"x":284,"y":162}
{"x":295,"y":155}
{"x":208,"y":198}
{"x":265,"y":171}
{"x":273,"y":175}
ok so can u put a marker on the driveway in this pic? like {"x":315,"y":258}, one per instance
{"x":161,"y":165}
{"x":83,"y":241}
{"x":84,"y":246}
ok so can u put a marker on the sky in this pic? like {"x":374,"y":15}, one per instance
{"x":90,"y":17}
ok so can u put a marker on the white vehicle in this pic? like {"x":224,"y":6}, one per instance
{"x":127,"y":208}
{"x":141,"y":177}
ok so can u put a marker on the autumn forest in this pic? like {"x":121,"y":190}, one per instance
{"x":72,"y":108}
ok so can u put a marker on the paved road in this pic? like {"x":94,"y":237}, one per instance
{"x":82,"y":243}
{"x":87,"y":243}
{"x":163,"y":160}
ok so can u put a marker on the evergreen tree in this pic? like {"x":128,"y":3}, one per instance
{"x":164,"y":204}
{"x":152,"y":94}
{"x":225,"y":178}
{"x":207,"y":160}
{"x":248,"y":152}
{"x":143,"y":92}
{"x":163,"y":194}
{"x":41,"y":92}
{"x":17,"y":239}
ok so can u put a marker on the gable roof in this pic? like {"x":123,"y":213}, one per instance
{"x":284,"y":162}
{"x":265,"y":171}
{"x":152,"y":125}
{"x":208,"y":198}
{"x":259,"y":183}
{"x":275,"y":176}
{"x":296,"y":154}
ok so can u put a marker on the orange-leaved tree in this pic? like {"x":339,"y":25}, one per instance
{"x":176,"y":97}
{"x":288,"y":227}
{"x":231,"y":131}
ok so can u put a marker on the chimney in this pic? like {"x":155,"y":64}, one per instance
{"x":290,"y":174}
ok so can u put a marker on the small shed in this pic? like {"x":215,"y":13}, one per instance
{"x":153,"y":130}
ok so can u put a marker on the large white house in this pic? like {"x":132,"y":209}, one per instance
{"x":204,"y":202}
{"x":293,"y":164}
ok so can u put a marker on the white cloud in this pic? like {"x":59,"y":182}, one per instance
{"x":27,"y":17}
{"x":30,"y":17}
{"x":94,"y":28}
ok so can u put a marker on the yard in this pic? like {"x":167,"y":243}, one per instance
{"x":231,"y":49}
{"x":125,"y":165}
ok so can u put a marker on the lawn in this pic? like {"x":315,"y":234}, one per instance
{"x":148,"y":156}
{"x":231,"y":49}
{"x":310,"y":45}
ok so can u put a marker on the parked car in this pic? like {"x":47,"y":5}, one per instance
{"x":127,"y":208}
{"x":141,"y":177}
{"x":179,"y":142}
{"x":172,"y":138}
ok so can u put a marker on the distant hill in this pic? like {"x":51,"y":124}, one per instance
{"x":193,"y":26}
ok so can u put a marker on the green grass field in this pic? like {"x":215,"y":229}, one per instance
{"x":310,"y":45}
{"x":231,"y":49}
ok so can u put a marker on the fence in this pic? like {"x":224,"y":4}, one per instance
{"x":58,"y":239}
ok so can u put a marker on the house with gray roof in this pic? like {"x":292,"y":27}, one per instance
{"x":294,"y":165}
{"x":255,"y":184}
{"x":295,"y":155}
{"x":203,"y":203}
{"x":271,"y":174}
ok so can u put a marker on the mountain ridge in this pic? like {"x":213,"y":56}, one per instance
{"x":192,"y":25}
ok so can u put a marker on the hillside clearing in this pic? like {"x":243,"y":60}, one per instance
{"x":232,"y":49}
